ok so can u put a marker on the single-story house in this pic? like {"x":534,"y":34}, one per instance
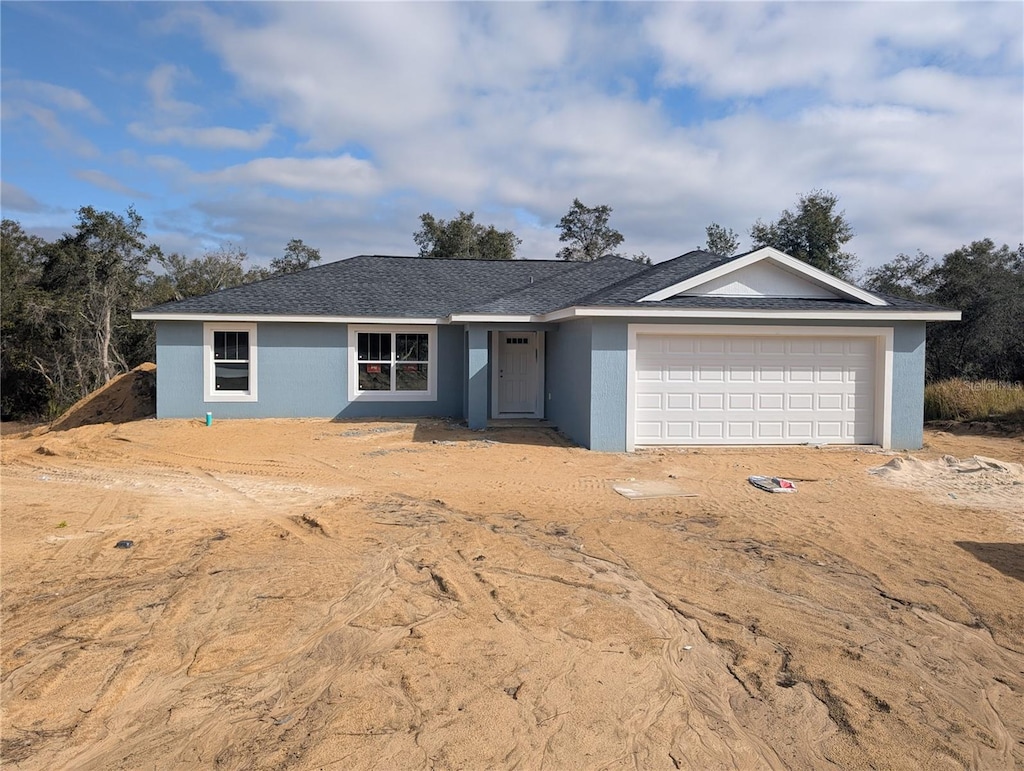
{"x":759,"y":348}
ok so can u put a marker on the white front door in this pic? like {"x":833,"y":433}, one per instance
{"x":517,"y":370}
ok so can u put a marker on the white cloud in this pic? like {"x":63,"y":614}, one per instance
{"x":60,"y":97}
{"x":42,"y":102}
{"x":910,"y":113}
{"x":56,"y":134}
{"x":751,"y":49}
{"x":340,"y":175}
{"x":210,"y":137}
{"x":161,"y":84}
{"x":13,"y":198}
{"x":106,"y":182}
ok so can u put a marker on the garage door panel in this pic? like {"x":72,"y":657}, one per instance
{"x":860,"y":347}
{"x":800,"y":430}
{"x":648,"y":430}
{"x":711,"y":344}
{"x":710,"y":429}
{"x":800,"y":402}
{"x":679,"y":373}
{"x":801,"y":373}
{"x":679,"y":401}
{"x":829,"y":402}
{"x":721,"y":389}
{"x":741,"y":373}
{"x":830,"y":429}
{"x":711,"y":373}
{"x":650,"y":344}
{"x":649,"y":402}
{"x":710,"y":401}
{"x":740,"y":429}
{"x":649,"y":374}
{"x":679,"y":430}
{"x":741,"y":402}
{"x":830,"y":374}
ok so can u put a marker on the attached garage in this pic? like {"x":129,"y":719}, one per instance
{"x":719,"y":385}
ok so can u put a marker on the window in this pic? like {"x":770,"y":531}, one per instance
{"x":392,"y":363}
{"x":229,"y":362}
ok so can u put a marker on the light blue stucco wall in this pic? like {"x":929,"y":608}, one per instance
{"x":908,"y":385}
{"x":567,"y":379}
{"x":609,"y":370}
{"x":479,"y":386}
{"x":302,"y":371}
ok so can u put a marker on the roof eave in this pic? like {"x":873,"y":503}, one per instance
{"x":292,"y":318}
{"x":750,"y":314}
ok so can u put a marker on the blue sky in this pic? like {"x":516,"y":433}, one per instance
{"x":340,"y":123}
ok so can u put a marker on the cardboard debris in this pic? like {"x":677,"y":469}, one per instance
{"x":638,"y":489}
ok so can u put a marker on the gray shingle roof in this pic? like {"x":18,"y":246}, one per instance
{"x":400,"y":287}
{"x":411,"y":287}
{"x":563,"y":289}
{"x":656,"y":277}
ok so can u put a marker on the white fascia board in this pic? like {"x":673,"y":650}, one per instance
{"x":746,"y":315}
{"x":463,"y":318}
{"x":782,"y":259}
{"x":144,"y":316}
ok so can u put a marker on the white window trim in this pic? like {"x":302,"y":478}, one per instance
{"x":884,"y":344}
{"x":355,"y":395}
{"x":210,"y":392}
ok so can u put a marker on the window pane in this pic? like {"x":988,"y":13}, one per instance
{"x":411,"y":377}
{"x":373,"y":346}
{"x":232,"y":377}
{"x":231,"y":346}
{"x":411,"y":347}
{"x":374,"y":377}
{"x":242,"y":346}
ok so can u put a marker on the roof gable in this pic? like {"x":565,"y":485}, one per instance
{"x":762,"y":279}
{"x":764,"y":273}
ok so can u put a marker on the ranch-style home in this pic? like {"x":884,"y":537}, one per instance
{"x":759,"y":348}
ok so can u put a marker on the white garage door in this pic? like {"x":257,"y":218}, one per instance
{"x":724,"y":389}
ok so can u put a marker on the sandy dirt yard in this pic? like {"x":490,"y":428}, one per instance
{"x":391,"y":595}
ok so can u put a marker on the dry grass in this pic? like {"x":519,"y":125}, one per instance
{"x":987,"y":400}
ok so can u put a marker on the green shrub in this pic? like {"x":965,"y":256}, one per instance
{"x":969,"y":400}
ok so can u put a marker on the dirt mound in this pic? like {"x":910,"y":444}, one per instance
{"x":979,"y":481}
{"x":131,"y":396}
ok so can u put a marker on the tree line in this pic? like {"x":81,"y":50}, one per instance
{"x":815,"y":232}
{"x":65,"y":306}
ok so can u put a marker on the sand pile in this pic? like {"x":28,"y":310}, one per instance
{"x":131,"y":396}
{"x":976,"y":481}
